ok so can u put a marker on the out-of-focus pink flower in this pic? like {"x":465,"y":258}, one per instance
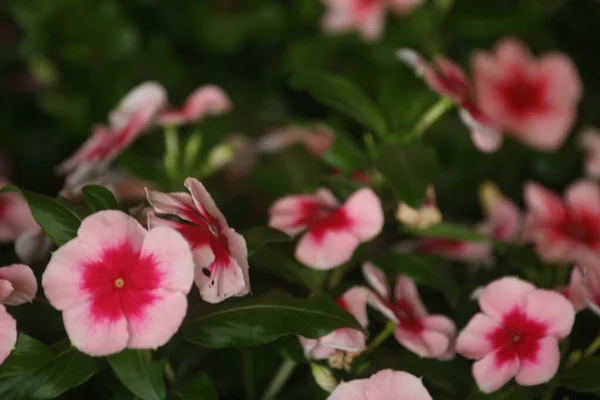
{"x":584,"y":288}
{"x":17,"y":285}
{"x":589,"y":140}
{"x":150,"y":95}
{"x":534,"y":100}
{"x":355,"y":302}
{"x":8,"y":334}
{"x":220,"y":253}
{"x":479,"y":252}
{"x":334,"y":230}
{"x":367,"y":17}
{"x":516,"y":335}
{"x":118,"y":285}
{"x":446,"y":78}
{"x":423,"y":334}
{"x":503,"y":218}
{"x":564,"y":231}
{"x":206,"y":100}
{"x":317,"y":139}
{"x":125,"y":187}
{"x":427,"y":215}
{"x":384,"y":385}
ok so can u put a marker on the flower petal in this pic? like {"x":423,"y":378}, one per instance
{"x":406,"y":289}
{"x":8,"y":334}
{"x":551,"y":309}
{"x":545,"y":204}
{"x":376,"y":279}
{"x":221,"y":280}
{"x":503,"y":295}
{"x":327,"y":250}
{"x":356,"y":389}
{"x":584,"y":199}
{"x":23,"y":283}
{"x":355,"y":302}
{"x":177,"y":203}
{"x":405,"y":386}
{"x":204,"y":201}
{"x":33,"y":245}
{"x":110,"y":228}
{"x":288,"y":214}
{"x":363,"y":209}
{"x":544,"y":367}
{"x":344,"y":339}
{"x":427,"y":343}
{"x":473,"y":340}
{"x":491,"y":376}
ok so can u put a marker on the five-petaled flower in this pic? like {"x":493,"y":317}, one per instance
{"x":220,"y":253}
{"x":118,"y":285}
{"x":423,"y":334}
{"x":516,"y":335}
{"x":354,"y":301}
{"x":334,"y":230}
{"x":564,"y":231}
{"x":534,"y":100}
{"x":206,"y":100}
{"x":383,"y":385}
{"x":365,"y":16}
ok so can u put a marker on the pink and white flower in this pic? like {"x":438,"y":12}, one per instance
{"x":17,"y":285}
{"x":534,"y":100}
{"x":446,"y":78}
{"x":206,"y":100}
{"x":516,"y":335}
{"x":354,"y":301}
{"x":334,"y":230}
{"x":220,"y":253}
{"x":119,"y":286}
{"x":383,"y":385}
{"x":589,"y":141}
{"x":423,"y":334}
{"x":125,"y":187}
{"x":564,"y":230}
{"x":8,"y":334}
{"x":583,"y":290}
{"x":317,"y":139}
{"x":367,"y":17}
{"x":146,"y":95}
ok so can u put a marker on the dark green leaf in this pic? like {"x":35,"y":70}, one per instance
{"x":200,"y":387}
{"x":342,"y":95}
{"x":424,"y":270}
{"x":28,"y":355}
{"x":513,"y":392}
{"x":584,"y":376}
{"x":141,"y":377}
{"x":255,"y":321}
{"x":70,"y":369}
{"x":259,"y":236}
{"x":345,"y":155}
{"x":99,"y":198}
{"x":408,"y":169}
{"x":448,"y":231}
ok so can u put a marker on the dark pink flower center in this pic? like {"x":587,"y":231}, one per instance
{"x":120,"y":281}
{"x":439,"y":245}
{"x":582,"y":227}
{"x":407,"y":316}
{"x":366,"y":5}
{"x":518,"y":337}
{"x":320,"y":219}
{"x":523,"y":95}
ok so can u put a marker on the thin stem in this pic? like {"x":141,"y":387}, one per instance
{"x":171,"y":151}
{"x":592,"y":348}
{"x":385,"y":333}
{"x":336,"y":277}
{"x":279,"y":380}
{"x":429,"y":118}
{"x":169,"y":372}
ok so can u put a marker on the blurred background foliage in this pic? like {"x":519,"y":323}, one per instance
{"x":65,"y":63}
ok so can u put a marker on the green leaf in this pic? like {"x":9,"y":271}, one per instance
{"x":260,"y":320}
{"x":100,"y":198}
{"x":430,"y":271}
{"x":28,"y":355}
{"x":584,"y":376}
{"x":513,"y":392}
{"x":259,"y":236}
{"x":408,"y":169}
{"x":342,"y":95}
{"x":447,"y":231}
{"x":70,"y":369}
{"x":57,"y":220}
{"x":345,"y":155}
{"x":200,"y":387}
{"x":141,"y":377}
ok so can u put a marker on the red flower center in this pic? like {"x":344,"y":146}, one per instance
{"x":407,"y":316}
{"x":119,"y":282}
{"x":320,"y":219}
{"x":439,"y":245}
{"x":582,"y":227}
{"x":524,"y":95}
{"x":518,"y":337}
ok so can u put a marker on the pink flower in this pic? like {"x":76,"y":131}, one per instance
{"x":125,"y":187}
{"x":423,"y":334}
{"x":317,"y":139}
{"x":367,"y":17}
{"x":448,"y":79}
{"x":334,"y":231}
{"x":584,"y":288}
{"x":8,"y":334}
{"x":206,"y":100}
{"x":354,"y":301}
{"x":146,"y":95}
{"x":479,"y":252}
{"x":384,"y":385}
{"x":427,"y":215}
{"x":17,"y":285}
{"x":516,"y":335}
{"x":220,"y":253}
{"x":503,"y":218}
{"x":564,"y":231}
{"x":118,"y":285}
{"x":536,"y":100}
{"x":589,"y":140}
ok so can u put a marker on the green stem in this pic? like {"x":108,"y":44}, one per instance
{"x":385,"y":333}
{"x":171,"y":151}
{"x":592,"y":348}
{"x":278,"y":382}
{"x":429,"y":118}
{"x":169,"y":372}
{"x":248,"y":374}
{"x":336,"y":277}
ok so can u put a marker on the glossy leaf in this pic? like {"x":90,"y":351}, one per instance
{"x":259,"y":236}
{"x":409,"y":169}
{"x":345,"y":155}
{"x":28,"y":355}
{"x":100,"y":198}
{"x":584,"y":376}
{"x":254,"y":321}
{"x":448,"y":231}
{"x":430,"y":271}
{"x":143,"y":378}
{"x":199,"y":387}
{"x":342,"y":95}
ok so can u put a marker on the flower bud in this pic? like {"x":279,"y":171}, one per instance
{"x":323,"y":377}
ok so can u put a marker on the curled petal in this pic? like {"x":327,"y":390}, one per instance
{"x":23,"y":283}
{"x":8,"y":334}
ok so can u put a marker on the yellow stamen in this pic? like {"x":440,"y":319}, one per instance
{"x":119,"y":283}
